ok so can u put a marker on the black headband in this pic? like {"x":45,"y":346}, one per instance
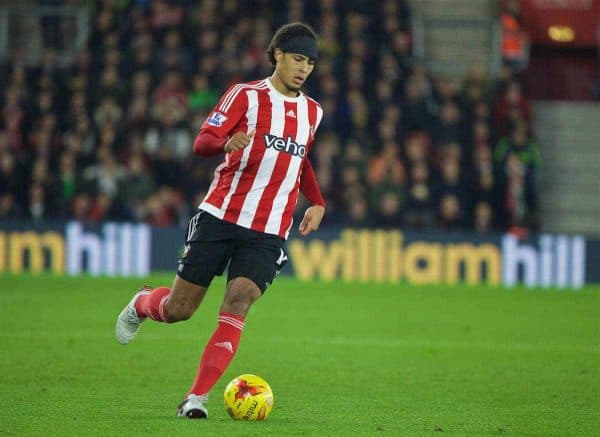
{"x":303,"y":45}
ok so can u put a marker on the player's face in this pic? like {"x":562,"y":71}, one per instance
{"x":294,"y":69}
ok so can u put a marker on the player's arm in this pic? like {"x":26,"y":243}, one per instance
{"x":215,"y":136}
{"x":309,"y":188}
{"x":208,"y":144}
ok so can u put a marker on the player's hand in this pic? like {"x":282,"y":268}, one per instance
{"x":312,"y":220}
{"x":239,"y":141}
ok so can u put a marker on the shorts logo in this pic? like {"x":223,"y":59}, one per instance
{"x":186,"y":249}
{"x":282,"y":258}
{"x":288,"y":145}
{"x":281,"y":261}
{"x":216,"y":119}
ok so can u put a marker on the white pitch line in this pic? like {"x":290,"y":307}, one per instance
{"x":337,"y":341}
{"x":399,"y":343}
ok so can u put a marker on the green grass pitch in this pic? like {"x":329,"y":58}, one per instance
{"x":342,"y":359}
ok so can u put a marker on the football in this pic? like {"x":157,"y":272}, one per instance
{"x":248,"y":397}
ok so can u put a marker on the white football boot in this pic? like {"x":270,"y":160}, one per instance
{"x":193,"y":407}
{"x":128,"y":322}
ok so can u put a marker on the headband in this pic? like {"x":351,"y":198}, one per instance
{"x":303,"y":45}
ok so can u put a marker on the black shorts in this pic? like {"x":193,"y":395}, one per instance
{"x":212,"y":245}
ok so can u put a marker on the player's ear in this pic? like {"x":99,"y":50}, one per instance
{"x":278,"y":54}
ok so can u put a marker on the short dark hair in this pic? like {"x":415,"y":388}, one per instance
{"x":285,"y":33}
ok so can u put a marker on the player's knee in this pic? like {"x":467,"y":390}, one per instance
{"x":241,"y":294}
{"x":235,"y":306}
{"x":237,"y":302}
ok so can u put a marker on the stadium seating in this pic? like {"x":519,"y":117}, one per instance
{"x":108,"y":136}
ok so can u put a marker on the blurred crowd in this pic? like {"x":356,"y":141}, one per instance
{"x":109,"y":135}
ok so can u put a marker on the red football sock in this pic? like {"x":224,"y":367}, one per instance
{"x":153,"y":305}
{"x":218,"y":352}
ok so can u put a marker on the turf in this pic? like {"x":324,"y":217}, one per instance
{"x":343,"y":359}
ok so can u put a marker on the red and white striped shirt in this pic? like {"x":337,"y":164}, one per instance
{"x":257,"y":187}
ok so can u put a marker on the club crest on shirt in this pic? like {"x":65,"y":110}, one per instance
{"x":216,"y":119}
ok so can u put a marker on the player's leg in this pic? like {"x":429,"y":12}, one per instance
{"x":253,"y":267}
{"x":173,"y":304}
{"x":201,"y":261}
{"x":221,"y":347}
{"x":162,"y":304}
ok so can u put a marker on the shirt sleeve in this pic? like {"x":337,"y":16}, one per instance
{"x":226,"y":115}
{"x":319,"y":118}
{"x":207,"y":144}
{"x":309,"y":186}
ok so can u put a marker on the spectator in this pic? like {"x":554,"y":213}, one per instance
{"x":522,"y":146}
{"x":105,"y":176}
{"x":12,"y":177}
{"x":474,"y":90}
{"x":515,"y":42}
{"x":519,"y":194}
{"x":9,"y":208}
{"x":169,"y":110}
{"x":80,"y":207}
{"x":418,"y":115}
{"x":69,"y":182}
{"x":483,"y":218}
{"x":135,"y":188}
{"x":142,"y":52}
{"x":450,"y":214}
{"x":416,"y":147}
{"x":111,"y":85}
{"x":325,"y":157}
{"x":484,"y":188}
{"x":420,"y":212}
{"x":165,"y":15}
{"x":359,"y":213}
{"x":173,"y":55}
{"x":103,"y":208}
{"x":450,"y":181}
{"x":38,"y":207}
{"x":387,"y":205}
{"x":386,"y":167}
{"x":448,"y":125}
{"x":511,"y":108}
{"x":202,"y":96}
{"x":108,"y":112}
